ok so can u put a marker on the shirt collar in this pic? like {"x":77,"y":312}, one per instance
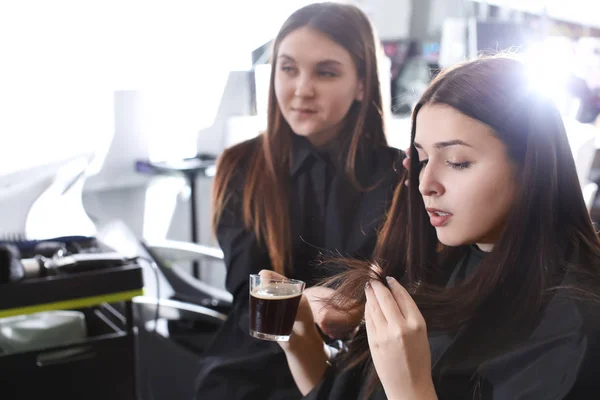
{"x":301,"y":152}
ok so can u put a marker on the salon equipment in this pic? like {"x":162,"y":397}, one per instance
{"x":203,"y":165}
{"x":13,"y":268}
{"x":98,"y":284}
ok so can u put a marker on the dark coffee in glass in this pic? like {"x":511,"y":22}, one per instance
{"x":273,"y":307}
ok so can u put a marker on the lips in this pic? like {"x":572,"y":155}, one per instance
{"x":304,"y":110}
{"x":437,"y":217}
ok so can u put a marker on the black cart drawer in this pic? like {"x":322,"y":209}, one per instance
{"x":101,"y":367}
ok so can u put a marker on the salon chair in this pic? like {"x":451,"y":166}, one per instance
{"x":178,"y":316}
{"x":173,"y":337}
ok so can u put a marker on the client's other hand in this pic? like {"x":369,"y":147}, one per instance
{"x":333,"y":323}
{"x":406,"y":163}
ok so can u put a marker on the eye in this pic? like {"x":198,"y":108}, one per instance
{"x":327,"y":74}
{"x":458,"y":166}
{"x":423,"y":164}
{"x":287,"y":68}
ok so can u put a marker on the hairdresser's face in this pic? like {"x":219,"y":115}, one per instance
{"x":316,"y":82}
{"x":466,"y":180}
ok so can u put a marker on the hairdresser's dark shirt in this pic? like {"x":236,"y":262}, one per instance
{"x":327,"y":214}
{"x":559,"y":360}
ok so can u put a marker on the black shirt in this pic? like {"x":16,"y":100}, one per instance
{"x":559,"y":360}
{"x":327,"y":214}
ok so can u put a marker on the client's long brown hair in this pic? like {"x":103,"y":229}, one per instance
{"x":548,"y":231}
{"x":265,"y":194}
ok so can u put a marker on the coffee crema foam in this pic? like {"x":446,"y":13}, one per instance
{"x":276,"y":292}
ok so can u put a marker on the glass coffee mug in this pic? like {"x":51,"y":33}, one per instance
{"x":273,"y":307}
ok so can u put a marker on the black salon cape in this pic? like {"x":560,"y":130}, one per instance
{"x":326,"y":212}
{"x":559,"y":360}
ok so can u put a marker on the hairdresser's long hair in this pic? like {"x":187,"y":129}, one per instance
{"x":547,"y":233}
{"x":265,"y":162}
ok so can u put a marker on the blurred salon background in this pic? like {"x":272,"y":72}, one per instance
{"x":112,"y":113}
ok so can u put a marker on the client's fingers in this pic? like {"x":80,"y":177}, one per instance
{"x":406,"y":164}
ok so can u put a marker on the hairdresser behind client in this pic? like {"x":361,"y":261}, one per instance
{"x":318,"y":181}
{"x":492,"y":262}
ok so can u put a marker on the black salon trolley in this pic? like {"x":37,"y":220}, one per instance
{"x":103,"y":366}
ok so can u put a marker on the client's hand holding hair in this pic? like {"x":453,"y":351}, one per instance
{"x":397,"y":336}
{"x":393,"y":333}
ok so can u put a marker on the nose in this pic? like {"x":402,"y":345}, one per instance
{"x":429,"y":182}
{"x":304,"y":86}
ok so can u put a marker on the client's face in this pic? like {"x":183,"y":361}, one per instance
{"x":466,"y":179}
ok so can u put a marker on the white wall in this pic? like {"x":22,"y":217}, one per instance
{"x":391,"y":18}
{"x":65,"y":58}
{"x":583,"y":12}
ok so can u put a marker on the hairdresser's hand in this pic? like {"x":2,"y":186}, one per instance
{"x":305,"y":351}
{"x":398,"y":341}
{"x":333,"y":323}
{"x":406,"y":163}
{"x":304,"y":327}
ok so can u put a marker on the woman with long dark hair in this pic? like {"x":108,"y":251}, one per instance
{"x":486,"y":277}
{"x":318,"y":181}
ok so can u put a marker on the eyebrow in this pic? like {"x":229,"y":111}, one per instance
{"x":441,"y":145}
{"x":320,"y":63}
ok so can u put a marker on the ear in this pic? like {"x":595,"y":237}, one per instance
{"x":360,"y":91}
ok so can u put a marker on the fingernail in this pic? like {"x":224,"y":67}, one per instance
{"x":367,"y":285}
{"x":389,"y":279}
